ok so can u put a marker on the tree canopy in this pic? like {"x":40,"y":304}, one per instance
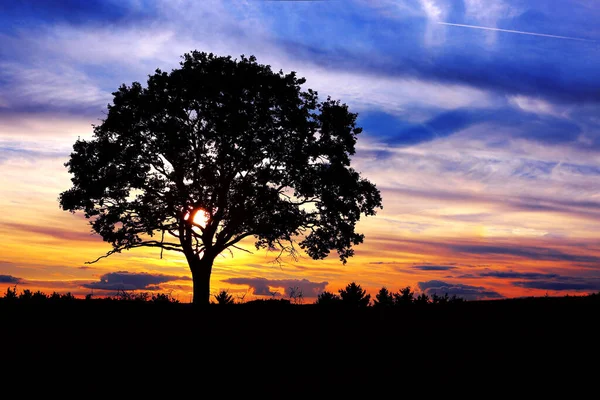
{"x":231,"y":140}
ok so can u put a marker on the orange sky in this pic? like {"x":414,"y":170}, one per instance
{"x":477,"y":244}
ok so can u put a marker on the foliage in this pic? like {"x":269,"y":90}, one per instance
{"x":327,"y":298}
{"x":384,"y":298}
{"x":11,"y":294}
{"x":422,"y":299}
{"x":404,"y":296}
{"x":231,"y":139}
{"x":355,"y":296}
{"x":163,"y":298}
{"x":224,"y":297}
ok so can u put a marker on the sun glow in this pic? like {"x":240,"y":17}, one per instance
{"x":201,"y":218}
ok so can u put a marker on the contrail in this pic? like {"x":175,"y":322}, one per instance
{"x":519,"y":32}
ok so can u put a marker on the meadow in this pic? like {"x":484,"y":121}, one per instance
{"x":275,"y":343}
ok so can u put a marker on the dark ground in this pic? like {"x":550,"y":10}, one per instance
{"x":537,"y":344}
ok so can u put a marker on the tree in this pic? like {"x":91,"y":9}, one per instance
{"x":404,"y":296}
{"x":327,"y":299}
{"x":422,"y":299}
{"x":384,"y":298}
{"x":354,"y":295}
{"x":217,"y":151}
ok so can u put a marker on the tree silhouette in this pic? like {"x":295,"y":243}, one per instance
{"x":231,"y":141}
{"x":384,"y":298}
{"x":354,"y":296}
{"x":404,"y":296}
{"x":437,"y":299}
{"x":224,"y":297}
{"x":422,"y":299}
{"x":327,"y":298}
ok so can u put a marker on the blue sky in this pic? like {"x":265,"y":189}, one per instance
{"x":481,"y":121}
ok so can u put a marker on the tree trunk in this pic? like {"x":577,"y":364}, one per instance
{"x":201,"y":270}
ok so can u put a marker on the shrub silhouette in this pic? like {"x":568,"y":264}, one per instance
{"x":224,"y":297}
{"x":354,"y":296}
{"x":163,"y":298}
{"x":11,"y":294}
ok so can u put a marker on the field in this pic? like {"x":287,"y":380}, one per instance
{"x":534,"y":341}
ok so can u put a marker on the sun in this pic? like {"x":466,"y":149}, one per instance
{"x":201,"y":218}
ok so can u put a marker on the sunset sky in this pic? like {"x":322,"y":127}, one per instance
{"x":481,"y":129}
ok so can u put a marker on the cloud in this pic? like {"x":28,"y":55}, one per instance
{"x":10,"y":279}
{"x":556,"y":285}
{"x":466,"y":292}
{"x":517,"y":275}
{"x":434,"y":267}
{"x":49,"y":87}
{"x":53,"y":231}
{"x":74,"y":11}
{"x":124,"y":280}
{"x":266,"y":287}
{"x":516,"y":123}
{"x":526,"y":252}
{"x":538,"y":106}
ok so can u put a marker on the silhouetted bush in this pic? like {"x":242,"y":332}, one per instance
{"x":163,"y":298}
{"x":224,"y":298}
{"x":11,"y":294}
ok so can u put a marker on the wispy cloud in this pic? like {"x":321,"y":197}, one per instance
{"x":487,"y":28}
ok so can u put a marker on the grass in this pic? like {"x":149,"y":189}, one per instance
{"x":277,"y":344}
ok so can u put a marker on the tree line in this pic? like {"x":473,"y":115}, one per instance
{"x":353,"y":295}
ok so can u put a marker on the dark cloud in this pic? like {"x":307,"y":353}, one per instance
{"x":28,"y":12}
{"x":467,"y":292}
{"x":266,"y":287}
{"x":529,"y":252}
{"x":434,"y":267}
{"x":517,"y":275}
{"x":542,"y":128}
{"x":10,"y":279}
{"x":528,"y":71}
{"x":124,"y":280}
{"x":561,"y":285}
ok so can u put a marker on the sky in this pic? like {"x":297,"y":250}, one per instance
{"x":481,"y":130}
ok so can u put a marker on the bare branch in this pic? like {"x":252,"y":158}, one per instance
{"x":150,"y":243}
{"x":240,"y":248}
{"x":104,"y":256}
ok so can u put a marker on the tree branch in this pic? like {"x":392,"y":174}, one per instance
{"x":150,"y":243}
